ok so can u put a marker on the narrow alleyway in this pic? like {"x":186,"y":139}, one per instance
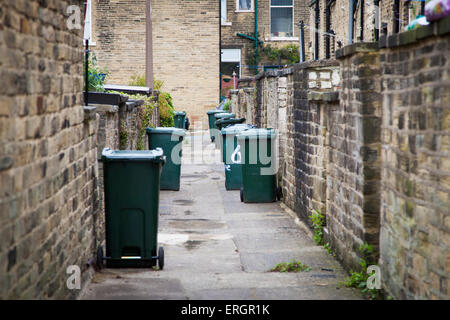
{"x":219,"y":248}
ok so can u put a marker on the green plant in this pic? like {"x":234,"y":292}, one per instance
{"x":145,"y":116}
{"x":293,"y":266}
{"x":289,"y":54}
{"x":96,"y":75}
{"x":165,"y":101}
{"x":318,"y":221}
{"x":137,"y":80}
{"x":329,"y":250}
{"x":359,"y":279}
{"x":227,"y":106}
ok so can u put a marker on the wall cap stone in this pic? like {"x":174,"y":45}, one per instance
{"x":89,"y":112}
{"x":248,"y":89}
{"x":436,"y":28}
{"x":106,"y":108}
{"x":356,"y":48}
{"x":329,"y":96}
{"x":234,"y":91}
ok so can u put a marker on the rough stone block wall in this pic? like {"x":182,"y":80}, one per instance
{"x":186,"y":54}
{"x":311,"y":81}
{"x":288,"y":182}
{"x":48,"y":155}
{"x":353,"y":202}
{"x":415,"y":224}
{"x":250,"y":104}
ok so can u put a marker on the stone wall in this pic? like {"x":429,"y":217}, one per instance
{"x":48,"y":155}
{"x":415,"y":220}
{"x":355,"y":159}
{"x":367,"y":145}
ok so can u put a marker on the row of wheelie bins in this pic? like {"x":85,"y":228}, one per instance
{"x":248,"y":154}
{"x":132,"y":181}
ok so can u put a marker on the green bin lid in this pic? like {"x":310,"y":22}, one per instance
{"x":180,"y":113}
{"x":214,"y":111}
{"x":256,"y":133}
{"x":166,"y":130}
{"x":156,"y":155}
{"x":237,"y":128}
{"x":224,"y":115}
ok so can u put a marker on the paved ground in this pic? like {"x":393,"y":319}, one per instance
{"x":219,"y":248}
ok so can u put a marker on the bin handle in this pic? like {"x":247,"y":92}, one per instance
{"x":237,"y":153}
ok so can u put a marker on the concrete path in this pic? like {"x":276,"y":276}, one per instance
{"x":219,"y":248}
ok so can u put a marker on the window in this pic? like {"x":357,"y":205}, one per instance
{"x":230,"y":61}
{"x":281,"y":18}
{"x":244,"y":5}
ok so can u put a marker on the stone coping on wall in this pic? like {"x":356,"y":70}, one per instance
{"x":106,"y":108}
{"x":89,"y":112}
{"x":323,"y":96}
{"x":436,"y":28}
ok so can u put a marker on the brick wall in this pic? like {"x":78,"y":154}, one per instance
{"x":415,"y":221}
{"x":119,"y":37}
{"x":48,"y":155}
{"x":367,"y":143}
{"x":244,"y":22}
{"x":186,"y":54}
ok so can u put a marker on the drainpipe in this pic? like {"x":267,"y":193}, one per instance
{"x":396,"y":16}
{"x":86,"y":74}
{"x":350,"y":22}
{"x":362,"y":21}
{"x":256,"y":32}
{"x":148,"y":45}
{"x":220,"y":50}
{"x":327,"y":28}
{"x":377,"y":19}
{"x":302,"y":41}
{"x":316,"y":54}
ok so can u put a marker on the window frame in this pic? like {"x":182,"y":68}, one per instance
{"x":272,"y":37}
{"x":251,"y":10}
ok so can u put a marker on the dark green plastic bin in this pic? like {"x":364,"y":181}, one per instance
{"x":169,"y":139}
{"x":258,"y":181}
{"x":131,"y":184}
{"x":211,"y":121}
{"x":179,"y":119}
{"x":233,"y":171}
{"x":216,"y":132}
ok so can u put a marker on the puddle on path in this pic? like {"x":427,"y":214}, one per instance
{"x":183,"y":202}
{"x":195,"y":224}
{"x":192,"y":244}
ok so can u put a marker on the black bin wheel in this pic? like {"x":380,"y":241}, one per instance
{"x":161,"y":258}
{"x":279,"y":193}
{"x":242,"y":194}
{"x":99,"y":258}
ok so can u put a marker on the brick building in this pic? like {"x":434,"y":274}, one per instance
{"x":276,"y":24}
{"x":185,"y":47}
{"x":370,"y":20}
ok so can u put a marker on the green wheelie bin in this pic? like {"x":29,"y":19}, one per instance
{"x":225,"y":122}
{"x":258,"y":164}
{"x":216,"y":132}
{"x":230,"y":155}
{"x":169,"y":139}
{"x":131,"y":184}
{"x":179,"y":119}
{"x":211,"y":121}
